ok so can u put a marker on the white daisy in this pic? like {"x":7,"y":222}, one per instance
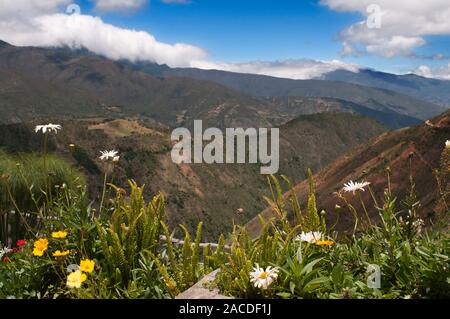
{"x":48,"y":128}
{"x":310,"y":237}
{"x":106,"y":155}
{"x":263,"y":278}
{"x":355,"y":186}
{"x":447,"y":144}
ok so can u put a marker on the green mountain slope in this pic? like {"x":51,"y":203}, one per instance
{"x":23,"y":98}
{"x":260,"y":85}
{"x":290,"y":107}
{"x":195,"y":192}
{"x":175,"y":101}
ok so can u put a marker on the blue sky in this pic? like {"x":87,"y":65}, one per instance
{"x":237,"y":30}
{"x":229,"y":33}
{"x":244,"y":30}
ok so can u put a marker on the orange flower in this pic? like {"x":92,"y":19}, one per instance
{"x":325,"y":242}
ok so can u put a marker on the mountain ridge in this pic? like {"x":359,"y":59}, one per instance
{"x":393,"y":151}
{"x":265,"y":86}
{"x":433,"y":90}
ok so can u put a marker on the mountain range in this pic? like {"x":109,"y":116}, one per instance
{"x":375,"y":98}
{"x":432,"y":90}
{"x":133,"y":107}
{"x":174,"y":96}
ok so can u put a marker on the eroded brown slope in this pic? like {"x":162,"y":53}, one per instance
{"x":421,"y":145}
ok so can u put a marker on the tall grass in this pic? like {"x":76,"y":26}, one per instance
{"x":27,"y":184}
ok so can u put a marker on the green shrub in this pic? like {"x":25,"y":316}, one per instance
{"x":413,"y":262}
{"x":132,"y":253}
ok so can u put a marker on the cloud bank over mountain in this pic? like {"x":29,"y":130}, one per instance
{"x":50,"y":23}
{"x":44,"y":23}
{"x":299,"y":69}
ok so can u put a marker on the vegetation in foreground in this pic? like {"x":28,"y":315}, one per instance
{"x":66,"y":248}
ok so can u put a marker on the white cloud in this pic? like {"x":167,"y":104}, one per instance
{"x":42,"y":25}
{"x":293,"y":69}
{"x":177,"y":1}
{"x":22,"y":9}
{"x":117,"y":5}
{"x":404,"y":25}
{"x":441,"y":72}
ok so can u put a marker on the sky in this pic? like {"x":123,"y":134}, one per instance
{"x":287,"y":38}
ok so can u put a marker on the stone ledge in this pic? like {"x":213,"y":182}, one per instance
{"x":199,"y":291}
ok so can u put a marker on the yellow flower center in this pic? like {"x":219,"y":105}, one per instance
{"x":324,"y":242}
{"x":263,"y":275}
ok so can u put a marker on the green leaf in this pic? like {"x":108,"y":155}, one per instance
{"x":284,"y":295}
{"x":315,"y":283}
{"x":292,"y":287}
{"x":308,"y":268}
{"x":337,"y":274}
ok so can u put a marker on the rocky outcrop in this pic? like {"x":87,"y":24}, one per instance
{"x":201,"y":289}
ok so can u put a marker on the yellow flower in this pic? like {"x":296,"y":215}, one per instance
{"x":75,"y":279}
{"x":59,"y":253}
{"x":59,"y":234}
{"x":324,"y":242}
{"x":87,"y":265}
{"x":40,"y":246}
{"x":38,"y":252}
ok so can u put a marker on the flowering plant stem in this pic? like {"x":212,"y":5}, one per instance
{"x":368,"y":222}
{"x":103,"y":192}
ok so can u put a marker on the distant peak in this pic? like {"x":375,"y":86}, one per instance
{"x":4,"y":44}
